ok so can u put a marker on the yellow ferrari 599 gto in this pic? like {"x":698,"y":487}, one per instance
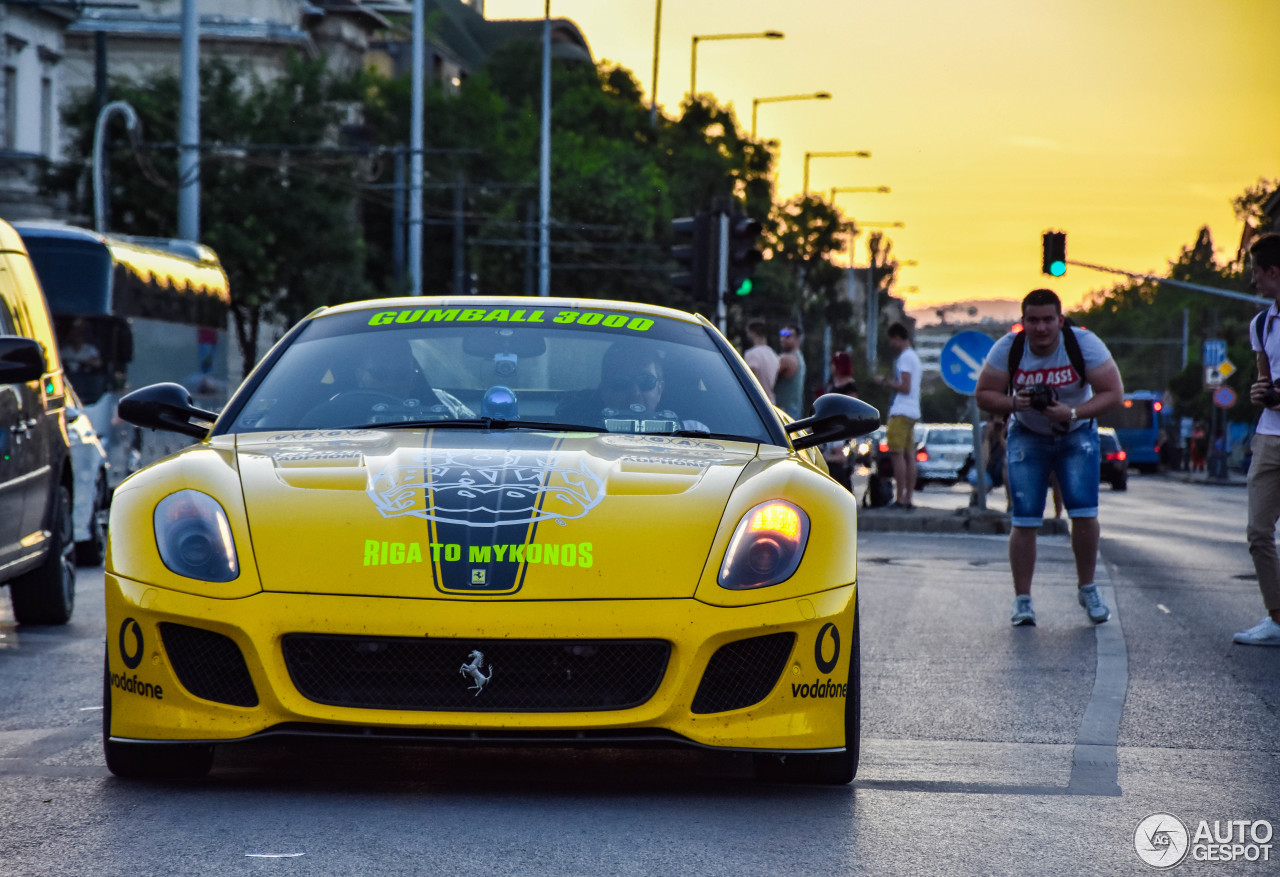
{"x":508,"y":520}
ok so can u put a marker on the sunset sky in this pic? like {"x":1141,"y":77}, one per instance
{"x":1129,"y":124}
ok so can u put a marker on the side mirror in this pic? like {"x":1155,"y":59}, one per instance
{"x":168,"y":407}
{"x":21,"y":360}
{"x":835,"y":417}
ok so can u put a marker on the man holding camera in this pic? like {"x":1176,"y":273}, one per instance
{"x":1053,"y":386}
{"x":1264,"y":470}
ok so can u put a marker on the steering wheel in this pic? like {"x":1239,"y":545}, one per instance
{"x":347,"y":407}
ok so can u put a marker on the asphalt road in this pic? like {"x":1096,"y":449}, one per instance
{"x":987,"y":749}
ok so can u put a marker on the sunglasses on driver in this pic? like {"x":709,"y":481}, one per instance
{"x":642,"y":381}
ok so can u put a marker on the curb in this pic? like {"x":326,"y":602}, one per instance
{"x":966,"y":520}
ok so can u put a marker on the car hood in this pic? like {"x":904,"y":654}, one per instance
{"x":468,"y":513}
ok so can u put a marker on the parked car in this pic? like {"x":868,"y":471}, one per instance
{"x":866,"y":450}
{"x":488,"y":520}
{"x":1114,"y":462}
{"x":37,"y":542}
{"x":942,"y":452}
{"x":92,"y":493}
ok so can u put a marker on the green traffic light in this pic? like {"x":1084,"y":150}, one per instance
{"x":1057,"y":269}
{"x":745,"y":288}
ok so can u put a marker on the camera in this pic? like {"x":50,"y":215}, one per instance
{"x":1042,"y":396}
{"x":1271,"y":397}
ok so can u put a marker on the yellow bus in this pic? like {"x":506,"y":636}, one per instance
{"x":132,"y":311}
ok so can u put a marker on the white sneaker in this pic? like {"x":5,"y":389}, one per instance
{"x":1265,"y":633}
{"x":1023,"y":614}
{"x":1092,"y":603}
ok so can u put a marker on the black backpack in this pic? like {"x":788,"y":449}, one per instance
{"x":1261,"y":327}
{"x":1074,"y":353}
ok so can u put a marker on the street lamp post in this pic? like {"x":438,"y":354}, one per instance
{"x":861,"y":153}
{"x":693,"y":64}
{"x":873,"y":299}
{"x":755,"y":103}
{"x":840,"y":190}
{"x":657,"y":30}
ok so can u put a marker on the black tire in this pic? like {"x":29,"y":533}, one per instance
{"x":827,"y":769}
{"x":1120,"y":484}
{"x":149,"y":761}
{"x":47,"y":594}
{"x":93,"y":551}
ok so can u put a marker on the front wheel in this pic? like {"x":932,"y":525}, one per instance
{"x":827,"y":768}
{"x":47,"y":594}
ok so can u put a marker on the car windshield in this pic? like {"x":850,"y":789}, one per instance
{"x":950,"y":435}
{"x":605,"y":370}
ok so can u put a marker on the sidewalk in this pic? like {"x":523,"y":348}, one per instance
{"x":1235,"y":478}
{"x":943,"y":509}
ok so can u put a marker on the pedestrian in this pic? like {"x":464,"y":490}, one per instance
{"x":837,"y":453}
{"x":842,"y":375}
{"x":1264,"y":465}
{"x":761,"y":358}
{"x":994,"y":461}
{"x":904,"y":411}
{"x":1053,"y":385}
{"x":790,"y":384}
{"x":1199,"y":446}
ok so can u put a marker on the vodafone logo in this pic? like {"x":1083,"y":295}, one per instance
{"x":131,"y":643}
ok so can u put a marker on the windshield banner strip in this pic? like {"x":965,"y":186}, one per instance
{"x":508,"y":315}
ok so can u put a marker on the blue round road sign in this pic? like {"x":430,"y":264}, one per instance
{"x":962,"y":358}
{"x":1224,"y":397}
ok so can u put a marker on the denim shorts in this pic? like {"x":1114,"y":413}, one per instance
{"x":1074,"y":456}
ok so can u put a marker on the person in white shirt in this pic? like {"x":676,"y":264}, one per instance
{"x":1264,"y":469}
{"x":904,"y":411}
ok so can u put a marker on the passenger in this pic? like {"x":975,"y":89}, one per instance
{"x":631,"y":386}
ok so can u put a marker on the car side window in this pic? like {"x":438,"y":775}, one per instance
{"x":30,"y":301}
{"x":8,"y":326}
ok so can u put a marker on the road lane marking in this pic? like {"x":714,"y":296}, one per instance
{"x":1163,"y":608}
{"x":1095,"y":766}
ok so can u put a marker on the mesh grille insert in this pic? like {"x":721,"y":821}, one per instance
{"x":512,"y":675}
{"x":208,"y":664}
{"x":741,"y":674}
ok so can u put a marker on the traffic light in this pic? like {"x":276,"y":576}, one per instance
{"x":1054,"y":260}
{"x":695,"y":253}
{"x":743,"y":255}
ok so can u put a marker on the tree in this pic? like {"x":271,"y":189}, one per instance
{"x":1142,"y":321}
{"x":276,"y":199}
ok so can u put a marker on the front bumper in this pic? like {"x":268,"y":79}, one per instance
{"x":801,"y":704}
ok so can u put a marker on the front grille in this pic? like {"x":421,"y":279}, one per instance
{"x":397,"y":673}
{"x":741,"y":674}
{"x":208,"y":664}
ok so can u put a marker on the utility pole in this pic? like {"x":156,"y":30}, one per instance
{"x":189,"y":126}
{"x":417,"y":135}
{"x":544,"y":188}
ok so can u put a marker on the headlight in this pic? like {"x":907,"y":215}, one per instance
{"x":194,"y":537}
{"x":766,"y":547}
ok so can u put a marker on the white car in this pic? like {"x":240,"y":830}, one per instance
{"x":92,"y":500}
{"x":942,"y":451}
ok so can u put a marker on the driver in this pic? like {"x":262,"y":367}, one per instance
{"x":387,"y":386}
{"x":392,"y":370}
